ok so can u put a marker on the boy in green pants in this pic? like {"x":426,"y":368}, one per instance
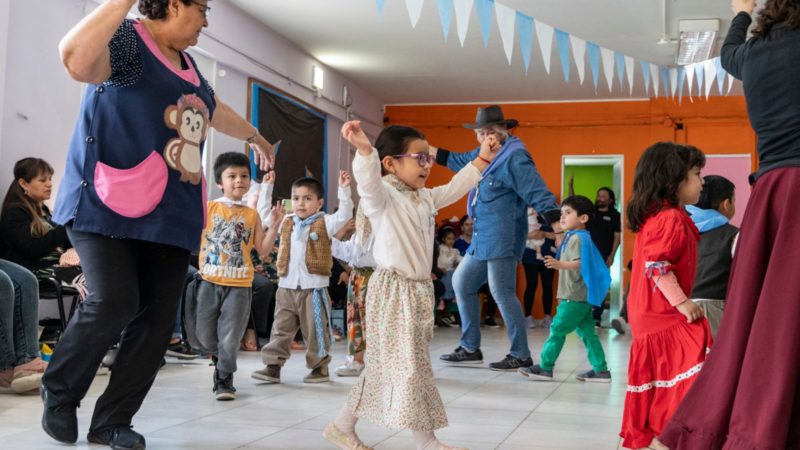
{"x":583,"y":280}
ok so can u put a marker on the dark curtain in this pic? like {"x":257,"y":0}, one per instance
{"x":302,"y":134}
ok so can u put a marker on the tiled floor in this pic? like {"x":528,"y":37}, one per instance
{"x":487,"y":410}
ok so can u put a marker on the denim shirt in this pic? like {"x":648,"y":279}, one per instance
{"x":500,"y":213}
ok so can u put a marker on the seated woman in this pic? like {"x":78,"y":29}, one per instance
{"x":31,"y":238}
{"x":21,"y":368}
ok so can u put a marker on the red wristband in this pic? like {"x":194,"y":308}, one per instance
{"x":484,"y":159}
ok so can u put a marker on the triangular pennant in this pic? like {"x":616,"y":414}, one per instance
{"x":608,"y":66}
{"x":646,"y":76}
{"x":665,"y":80}
{"x":619,"y":62}
{"x":655,"y":75}
{"x":720,"y":74}
{"x":445,"y":15}
{"x":525,"y":29}
{"x":579,"y":53}
{"x":463,"y":11}
{"x":673,"y":81}
{"x":730,"y":84}
{"x":594,"y":62}
{"x":506,"y":17}
{"x":698,"y":75}
{"x":689,"y":69}
{"x":562,"y":40}
{"x":630,"y":66}
{"x":544,"y":34}
{"x":710,"y":69}
{"x":380,"y":6}
{"x":681,"y":77}
{"x":484,"y":10}
{"x":414,"y":11}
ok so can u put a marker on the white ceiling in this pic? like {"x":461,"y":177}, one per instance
{"x":400,"y":64}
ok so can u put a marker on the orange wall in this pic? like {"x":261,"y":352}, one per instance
{"x":551,"y":130}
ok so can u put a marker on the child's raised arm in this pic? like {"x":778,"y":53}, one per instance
{"x":265,"y":241}
{"x":335,"y":222}
{"x":467,"y":177}
{"x":366,"y":169}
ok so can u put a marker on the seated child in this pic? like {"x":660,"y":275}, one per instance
{"x":304,"y":266}
{"x":219,"y":318}
{"x":583,"y":281}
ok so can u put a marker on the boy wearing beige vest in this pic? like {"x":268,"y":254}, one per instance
{"x":304,"y":267}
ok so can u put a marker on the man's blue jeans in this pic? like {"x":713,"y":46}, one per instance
{"x":501,"y":273}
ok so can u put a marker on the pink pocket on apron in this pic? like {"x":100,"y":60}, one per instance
{"x":133,"y":192}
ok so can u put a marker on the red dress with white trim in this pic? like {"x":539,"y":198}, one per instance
{"x":667,"y":352}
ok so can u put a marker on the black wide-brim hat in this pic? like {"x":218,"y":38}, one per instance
{"x":491,"y":115}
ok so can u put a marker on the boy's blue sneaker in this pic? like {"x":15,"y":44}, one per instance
{"x":595,"y":377}
{"x":536,"y":373}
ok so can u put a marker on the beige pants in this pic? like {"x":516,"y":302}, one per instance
{"x":713,"y":310}
{"x":294,"y":308}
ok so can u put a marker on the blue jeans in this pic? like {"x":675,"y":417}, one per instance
{"x":447,"y":281}
{"x":470,"y":275}
{"x":19,"y":314}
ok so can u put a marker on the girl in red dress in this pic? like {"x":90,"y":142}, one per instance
{"x":670,"y":334}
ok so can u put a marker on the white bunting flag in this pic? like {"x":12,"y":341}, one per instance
{"x":579,"y":53}
{"x":608,"y":66}
{"x":689,"y":78}
{"x":630,"y":66}
{"x":730,"y":84}
{"x":654,"y":73}
{"x":673,"y":81}
{"x":414,"y":11}
{"x":463,"y":11}
{"x":544,"y":34}
{"x":710,"y":68}
{"x":506,"y":19}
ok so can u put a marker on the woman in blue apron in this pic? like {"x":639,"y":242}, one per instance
{"x":133,"y":201}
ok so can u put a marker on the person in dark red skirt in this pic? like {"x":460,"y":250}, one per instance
{"x":670,"y":335}
{"x":748,"y":394}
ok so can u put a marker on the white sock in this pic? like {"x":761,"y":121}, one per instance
{"x":346,"y":422}
{"x":425,"y":440}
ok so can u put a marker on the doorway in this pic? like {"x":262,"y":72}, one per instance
{"x":590,"y":173}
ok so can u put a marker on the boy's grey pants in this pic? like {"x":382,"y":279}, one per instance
{"x":222,"y":315}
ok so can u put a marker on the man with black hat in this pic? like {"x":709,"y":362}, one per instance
{"x":498,"y":206}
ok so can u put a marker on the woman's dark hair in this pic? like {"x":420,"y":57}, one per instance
{"x":716,"y":189}
{"x":229,"y":159}
{"x":394,"y":140}
{"x":582,"y":205}
{"x":660,"y":171}
{"x":27,"y":169}
{"x":775,"y":12}
{"x":157,"y":9}
{"x":611,"y":195}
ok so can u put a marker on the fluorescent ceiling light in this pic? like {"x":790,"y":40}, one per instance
{"x":697,"y":40}
{"x":317,"y":78}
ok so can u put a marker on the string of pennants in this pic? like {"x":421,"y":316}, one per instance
{"x":666,"y":81}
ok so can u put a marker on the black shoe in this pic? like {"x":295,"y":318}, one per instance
{"x":223,"y":387}
{"x":119,"y":438}
{"x":491,"y":323}
{"x":462,"y":356}
{"x":59,"y":421}
{"x":511,"y":364}
{"x":181,"y":350}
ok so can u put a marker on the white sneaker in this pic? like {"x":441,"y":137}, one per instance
{"x":530,"y":322}
{"x":351,"y":368}
{"x":619,"y":325}
{"x":547,"y":322}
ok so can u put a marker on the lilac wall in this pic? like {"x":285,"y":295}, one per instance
{"x":735,"y":168}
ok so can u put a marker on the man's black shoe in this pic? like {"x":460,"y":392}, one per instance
{"x":59,"y":421}
{"x":118,"y":438}
{"x":511,"y":364}
{"x":462,"y":356}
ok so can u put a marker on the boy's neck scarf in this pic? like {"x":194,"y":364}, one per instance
{"x":706,"y":219}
